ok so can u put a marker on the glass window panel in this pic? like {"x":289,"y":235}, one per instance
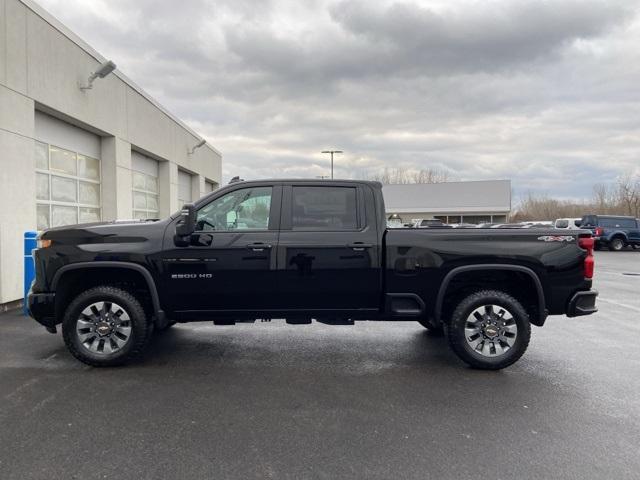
{"x":42,"y":212}
{"x":63,"y":160}
{"x":61,"y":215}
{"x":63,"y":189}
{"x":88,"y":167}
{"x":42,"y":155}
{"x":153,"y":214}
{"x":324,"y":208}
{"x":139,"y":214}
{"x":152,"y":202}
{"x":88,"y":215}
{"x":90,"y":193}
{"x":139,"y":200}
{"x":139,"y":182}
{"x":42,"y":186}
{"x":245,"y":209}
{"x":151,"y":184}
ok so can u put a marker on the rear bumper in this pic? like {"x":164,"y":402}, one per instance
{"x":583,"y":303}
{"x":42,"y":308}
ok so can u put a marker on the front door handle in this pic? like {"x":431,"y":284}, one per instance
{"x":359,"y":246}
{"x":258,"y":246}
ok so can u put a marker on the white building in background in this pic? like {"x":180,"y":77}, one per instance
{"x":452,"y":202}
{"x":69,"y":155}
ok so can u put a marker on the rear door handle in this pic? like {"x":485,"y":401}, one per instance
{"x":359,"y":246}
{"x":258,"y":246}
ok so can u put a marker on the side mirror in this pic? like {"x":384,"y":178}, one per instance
{"x":186,"y":224}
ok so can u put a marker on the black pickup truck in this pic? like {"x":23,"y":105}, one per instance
{"x":303,"y":250}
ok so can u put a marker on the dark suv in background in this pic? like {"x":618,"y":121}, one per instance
{"x":615,"y":232}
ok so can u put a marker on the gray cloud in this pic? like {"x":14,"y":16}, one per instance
{"x":544,"y":93}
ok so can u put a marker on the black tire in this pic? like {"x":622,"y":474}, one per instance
{"x":436,"y":331}
{"x":616,"y":244}
{"x":457,"y":336}
{"x":140,"y":327}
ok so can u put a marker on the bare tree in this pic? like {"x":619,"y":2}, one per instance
{"x":402,"y":175}
{"x":629,"y":194}
{"x":621,"y":198}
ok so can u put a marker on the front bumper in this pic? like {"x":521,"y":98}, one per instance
{"x":582,"y":303}
{"x":42,"y":308}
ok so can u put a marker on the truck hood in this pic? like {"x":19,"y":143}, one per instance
{"x":116,"y":231}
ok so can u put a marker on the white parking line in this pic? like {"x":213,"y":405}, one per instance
{"x":623,"y":305}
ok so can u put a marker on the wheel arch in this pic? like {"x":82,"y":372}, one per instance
{"x":114,"y":266}
{"x":538,"y":320}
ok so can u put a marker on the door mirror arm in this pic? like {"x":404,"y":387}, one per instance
{"x":186,"y":225}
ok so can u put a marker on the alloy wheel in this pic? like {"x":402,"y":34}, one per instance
{"x":103,"y":328}
{"x":490,"y":330}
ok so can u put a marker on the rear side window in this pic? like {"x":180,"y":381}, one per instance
{"x":617,"y":222}
{"x":324,"y":208}
{"x":589,"y":221}
{"x":627,"y":223}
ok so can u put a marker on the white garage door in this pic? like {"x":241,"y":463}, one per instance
{"x":209,"y":186}
{"x":184,"y":188}
{"x":145,"y":186}
{"x":67,"y":173}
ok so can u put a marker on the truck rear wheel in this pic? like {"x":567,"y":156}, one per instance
{"x":489,"y":330}
{"x":105,"y":326}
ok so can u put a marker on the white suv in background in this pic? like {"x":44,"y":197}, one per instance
{"x":568,"y":223}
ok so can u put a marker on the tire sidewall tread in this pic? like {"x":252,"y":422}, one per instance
{"x":456,"y":333}
{"x":141,"y":327}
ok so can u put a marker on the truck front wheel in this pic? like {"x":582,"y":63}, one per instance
{"x":616,"y":244}
{"x":489,"y":330}
{"x":105,"y":326}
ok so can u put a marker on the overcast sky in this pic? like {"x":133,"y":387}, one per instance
{"x":544,"y":93}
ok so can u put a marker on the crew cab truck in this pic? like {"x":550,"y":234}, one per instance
{"x":303,"y":250}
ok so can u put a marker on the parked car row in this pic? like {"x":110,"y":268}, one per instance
{"x":611,"y":231}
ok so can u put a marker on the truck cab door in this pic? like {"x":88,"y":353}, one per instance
{"x":328,"y":250}
{"x":230,"y":263}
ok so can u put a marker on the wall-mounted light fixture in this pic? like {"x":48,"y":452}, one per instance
{"x":105,"y":69}
{"x":196,"y":146}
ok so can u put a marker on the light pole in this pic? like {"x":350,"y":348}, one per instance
{"x":332,"y":152}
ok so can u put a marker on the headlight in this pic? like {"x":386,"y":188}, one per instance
{"x":44,"y":243}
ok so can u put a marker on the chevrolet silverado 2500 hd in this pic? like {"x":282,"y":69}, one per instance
{"x":303,"y":250}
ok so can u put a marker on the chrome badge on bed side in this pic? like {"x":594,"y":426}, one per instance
{"x":556,"y":238}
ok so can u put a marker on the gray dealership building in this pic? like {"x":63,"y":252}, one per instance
{"x":74,"y":155}
{"x":452,"y":202}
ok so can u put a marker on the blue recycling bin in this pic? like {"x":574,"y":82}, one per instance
{"x":30,"y":243}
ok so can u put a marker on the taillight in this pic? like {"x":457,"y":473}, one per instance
{"x":587,"y":243}
{"x":598,"y":232}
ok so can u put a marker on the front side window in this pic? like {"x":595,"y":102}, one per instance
{"x":562,"y":223}
{"x":245,"y":209}
{"x":324,"y":208}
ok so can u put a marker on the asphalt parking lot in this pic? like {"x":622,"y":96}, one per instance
{"x":375,"y":400}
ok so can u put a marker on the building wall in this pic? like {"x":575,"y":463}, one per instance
{"x":41,"y":66}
